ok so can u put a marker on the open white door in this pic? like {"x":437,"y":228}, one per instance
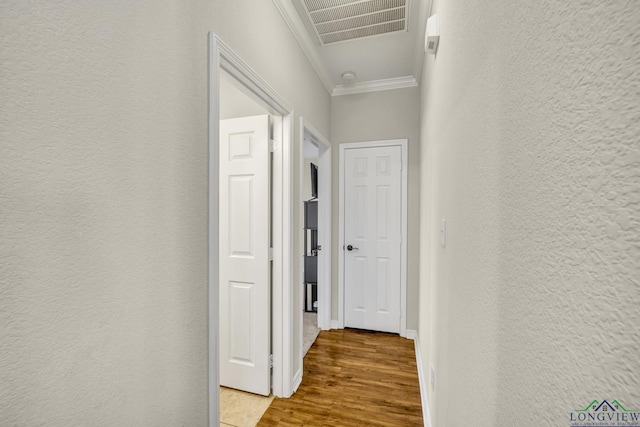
{"x":245,"y":273}
{"x":372,"y":238}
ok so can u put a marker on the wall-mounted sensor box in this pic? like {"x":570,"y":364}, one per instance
{"x":432,"y":35}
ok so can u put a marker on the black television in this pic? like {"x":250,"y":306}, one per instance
{"x":314,"y":181}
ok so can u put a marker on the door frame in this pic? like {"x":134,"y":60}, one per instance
{"x":324,"y":219}
{"x":223,"y":58}
{"x":403,"y":144}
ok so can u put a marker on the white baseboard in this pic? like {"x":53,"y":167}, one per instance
{"x":297,"y":380}
{"x":424,"y":381}
{"x":412,"y":334}
{"x":335,"y":324}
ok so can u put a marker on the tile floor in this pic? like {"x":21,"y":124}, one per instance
{"x":310,"y":330}
{"x":240,"y":409}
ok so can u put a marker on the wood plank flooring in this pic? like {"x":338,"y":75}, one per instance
{"x":353,"y":378}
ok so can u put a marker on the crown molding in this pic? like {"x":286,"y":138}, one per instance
{"x":290,"y":15}
{"x":375,"y":85}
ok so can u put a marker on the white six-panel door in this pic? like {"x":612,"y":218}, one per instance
{"x":372,"y":238}
{"x":244,"y":254}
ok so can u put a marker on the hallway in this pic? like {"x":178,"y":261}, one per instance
{"x":522,"y":201}
{"x":351,"y":378}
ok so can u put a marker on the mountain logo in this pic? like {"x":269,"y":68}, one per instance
{"x":605,"y":413}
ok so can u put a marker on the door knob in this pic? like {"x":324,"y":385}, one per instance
{"x":350,"y":248}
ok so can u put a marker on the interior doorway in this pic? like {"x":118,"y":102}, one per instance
{"x":245,"y":241}
{"x":317,"y":150}
{"x":223,"y":59}
{"x":311,"y":246}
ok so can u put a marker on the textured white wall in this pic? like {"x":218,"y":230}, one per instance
{"x":530,"y":128}
{"x":235,"y":103}
{"x":389,"y":114}
{"x":103,"y":201}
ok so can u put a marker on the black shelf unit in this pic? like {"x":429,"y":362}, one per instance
{"x":311,"y":255}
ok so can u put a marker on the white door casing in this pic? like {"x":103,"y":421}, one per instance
{"x":373,"y":222}
{"x":244,"y":254}
{"x":324,"y":237}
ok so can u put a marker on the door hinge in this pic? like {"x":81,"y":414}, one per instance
{"x":271,"y":360}
{"x":273,"y":145}
{"x":270,"y":254}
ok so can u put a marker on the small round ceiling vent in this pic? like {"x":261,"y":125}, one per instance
{"x":348,"y":76}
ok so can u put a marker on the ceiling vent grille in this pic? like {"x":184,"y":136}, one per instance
{"x":340,"y":20}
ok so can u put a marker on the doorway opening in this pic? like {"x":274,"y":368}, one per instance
{"x":245,"y":269}
{"x":315,"y":216}
{"x":311,"y":247}
{"x":317,"y":150}
{"x":224,"y":60}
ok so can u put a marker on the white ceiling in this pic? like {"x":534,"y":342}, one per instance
{"x":386,"y":61}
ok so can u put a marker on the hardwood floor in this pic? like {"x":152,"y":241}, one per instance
{"x":353,"y":378}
